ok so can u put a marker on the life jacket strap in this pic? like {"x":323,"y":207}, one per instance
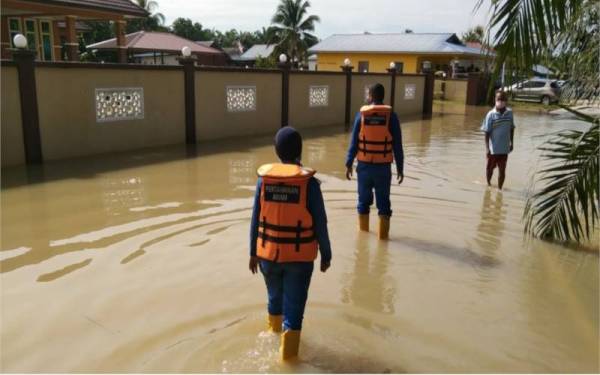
{"x":384,"y":152}
{"x":282,"y":228}
{"x":386,"y":142}
{"x":385,"y":147}
{"x":286,"y":240}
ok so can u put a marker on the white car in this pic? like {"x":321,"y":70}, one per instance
{"x":540,"y":90}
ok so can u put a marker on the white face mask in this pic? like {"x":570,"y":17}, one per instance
{"x":500,"y":104}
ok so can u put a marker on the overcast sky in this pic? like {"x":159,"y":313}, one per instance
{"x":337,"y":16}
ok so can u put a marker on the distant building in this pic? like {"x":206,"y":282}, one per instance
{"x":52,"y":26}
{"x":258,"y":50}
{"x":146,"y":47}
{"x":409,"y":51}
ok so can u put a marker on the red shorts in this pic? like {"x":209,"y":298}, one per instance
{"x":496,"y":160}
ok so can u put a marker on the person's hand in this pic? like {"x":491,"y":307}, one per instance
{"x":511,"y":147}
{"x":349,"y":173}
{"x":253,"y":265}
{"x":400,"y":178}
{"x":325,"y":266}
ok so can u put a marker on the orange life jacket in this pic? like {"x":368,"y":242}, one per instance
{"x":285,"y":229}
{"x":375,"y":139}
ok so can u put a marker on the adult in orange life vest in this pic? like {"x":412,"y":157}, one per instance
{"x":376,"y":142}
{"x":288,"y":229}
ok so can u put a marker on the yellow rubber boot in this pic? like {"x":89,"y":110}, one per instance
{"x":275,"y":322}
{"x":290,"y":342}
{"x":363,"y":222}
{"x":384,"y":227}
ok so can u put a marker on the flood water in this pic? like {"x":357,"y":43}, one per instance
{"x":137,"y":262}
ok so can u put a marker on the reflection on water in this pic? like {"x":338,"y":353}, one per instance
{"x":370,"y":287}
{"x":491,"y":224}
{"x":138,"y":262}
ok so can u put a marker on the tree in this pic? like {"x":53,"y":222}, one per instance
{"x":475,"y":34}
{"x":154,"y":22}
{"x":265,"y":62}
{"x":185,"y":28}
{"x":99,"y":31}
{"x":532,"y":31}
{"x":292,"y":27}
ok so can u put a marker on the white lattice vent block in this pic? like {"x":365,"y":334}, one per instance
{"x":115,"y":104}
{"x":241,"y":98}
{"x":410,"y":91}
{"x":318,"y":96}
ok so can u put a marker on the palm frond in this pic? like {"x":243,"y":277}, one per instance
{"x":566,"y":208}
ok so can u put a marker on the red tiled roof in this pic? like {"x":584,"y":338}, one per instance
{"x":125,"y":7}
{"x":155,"y":41}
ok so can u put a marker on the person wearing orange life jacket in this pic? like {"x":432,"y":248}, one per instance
{"x":376,"y":142}
{"x":288,"y":229}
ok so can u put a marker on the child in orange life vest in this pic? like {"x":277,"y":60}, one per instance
{"x":289,"y":227}
{"x":376,"y":142}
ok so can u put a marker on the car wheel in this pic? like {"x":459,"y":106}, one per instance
{"x":545,"y":100}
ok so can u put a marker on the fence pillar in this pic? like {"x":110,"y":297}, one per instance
{"x":392,"y":72}
{"x":428,"y":94}
{"x":347,"y":69}
{"x":285,"y":92}
{"x":72,"y":43}
{"x":189,"y":76}
{"x":473,"y":89}
{"x":25,"y":60}
{"x":121,"y":43}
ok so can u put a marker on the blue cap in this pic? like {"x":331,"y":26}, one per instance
{"x":288,"y":144}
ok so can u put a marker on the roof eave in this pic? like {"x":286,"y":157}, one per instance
{"x":139,"y":12}
{"x":403,"y":52}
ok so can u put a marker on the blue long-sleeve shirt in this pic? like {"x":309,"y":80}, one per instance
{"x":396,"y":142}
{"x":316,"y":207}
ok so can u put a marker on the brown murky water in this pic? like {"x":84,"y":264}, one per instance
{"x":138,"y":262}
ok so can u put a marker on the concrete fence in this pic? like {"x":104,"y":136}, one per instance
{"x":63,"y":110}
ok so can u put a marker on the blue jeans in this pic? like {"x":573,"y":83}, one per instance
{"x":287,"y":289}
{"x":378,"y":177}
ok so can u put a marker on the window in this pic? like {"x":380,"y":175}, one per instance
{"x":537,"y":84}
{"x":363,"y":66}
{"x":14,"y":28}
{"x":31,"y":34}
{"x":46,"y":40}
{"x":399,"y":66}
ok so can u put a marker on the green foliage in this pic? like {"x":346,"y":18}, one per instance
{"x":292,"y":29}
{"x":265,"y":62}
{"x":99,"y":31}
{"x":154,"y":22}
{"x":475,"y":34}
{"x":185,"y":28}
{"x":188,"y":29}
{"x":565,"y":208}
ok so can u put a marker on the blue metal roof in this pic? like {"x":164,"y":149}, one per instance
{"x":262,"y":50}
{"x":442,"y":43}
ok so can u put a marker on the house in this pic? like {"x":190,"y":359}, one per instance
{"x":409,"y":51}
{"x":258,"y":50}
{"x":146,"y":47}
{"x":52,"y":27}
